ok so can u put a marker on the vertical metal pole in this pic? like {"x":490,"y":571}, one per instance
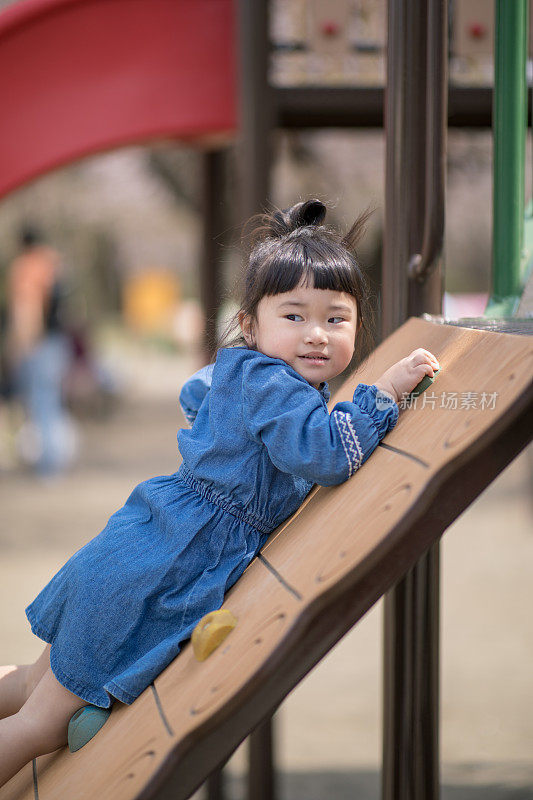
{"x":215,"y":784}
{"x":211,"y":277}
{"x":210,"y":296}
{"x":509,"y":124}
{"x":411,"y":762}
{"x":256,"y":108}
{"x":261,"y":773}
{"x":257,"y":121}
{"x":416,"y":67}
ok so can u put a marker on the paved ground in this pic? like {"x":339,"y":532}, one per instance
{"x":328,"y":729}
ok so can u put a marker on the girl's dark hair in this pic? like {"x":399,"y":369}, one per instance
{"x":290,"y":245}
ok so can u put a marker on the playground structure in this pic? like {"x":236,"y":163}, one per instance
{"x":290,"y":610}
{"x":172,"y":753}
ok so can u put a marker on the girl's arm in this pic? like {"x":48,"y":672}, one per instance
{"x":288,"y":416}
{"x":194,"y":391}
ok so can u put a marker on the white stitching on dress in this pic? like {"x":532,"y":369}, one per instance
{"x":335,"y":417}
{"x":350,"y":442}
{"x":356,"y":441}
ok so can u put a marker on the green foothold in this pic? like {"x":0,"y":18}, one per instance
{"x":424,"y":384}
{"x":85,"y":724}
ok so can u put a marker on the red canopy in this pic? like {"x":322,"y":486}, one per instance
{"x":81,"y":76}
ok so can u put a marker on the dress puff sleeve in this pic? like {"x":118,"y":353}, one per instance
{"x":289,"y":417}
{"x":194,"y":391}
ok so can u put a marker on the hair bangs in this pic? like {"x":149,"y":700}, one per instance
{"x":310,"y":263}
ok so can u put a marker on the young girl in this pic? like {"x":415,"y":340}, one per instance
{"x":117,"y":613}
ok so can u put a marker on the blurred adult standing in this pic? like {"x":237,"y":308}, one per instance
{"x":38,"y":351}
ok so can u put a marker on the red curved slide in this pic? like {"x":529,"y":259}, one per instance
{"x":82,"y":76}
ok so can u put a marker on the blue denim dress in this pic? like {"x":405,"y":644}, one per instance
{"x":261,"y":436}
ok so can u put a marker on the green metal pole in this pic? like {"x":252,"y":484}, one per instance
{"x":509,"y":126}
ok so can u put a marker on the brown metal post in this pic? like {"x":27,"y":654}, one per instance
{"x":215,"y":785}
{"x":211,"y":271}
{"x":262,"y":773}
{"x":415,"y":121}
{"x":256,"y":124}
{"x":257,"y":113}
{"x":211,"y":289}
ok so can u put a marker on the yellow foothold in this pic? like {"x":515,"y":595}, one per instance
{"x":211,"y":631}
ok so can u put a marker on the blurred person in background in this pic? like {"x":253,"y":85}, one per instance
{"x":38,"y":353}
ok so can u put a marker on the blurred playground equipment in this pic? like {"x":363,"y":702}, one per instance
{"x":150,"y":301}
{"x":153,"y":307}
{"x":107,"y":78}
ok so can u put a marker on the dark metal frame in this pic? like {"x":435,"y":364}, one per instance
{"x":211,"y":274}
{"x":362,"y":107}
{"x":415,"y":123}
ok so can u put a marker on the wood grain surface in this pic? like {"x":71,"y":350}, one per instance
{"x":317,"y":574}
{"x":117,"y":763}
{"x":475,"y":365}
{"x":19,"y":786}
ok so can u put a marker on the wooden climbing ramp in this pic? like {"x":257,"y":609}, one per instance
{"x":316,"y":575}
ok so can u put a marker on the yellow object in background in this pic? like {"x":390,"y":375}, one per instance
{"x":211,"y":631}
{"x":150,"y":300}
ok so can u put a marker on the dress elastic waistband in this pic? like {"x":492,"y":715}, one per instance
{"x":204,"y":490}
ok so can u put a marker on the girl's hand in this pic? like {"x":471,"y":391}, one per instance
{"x":402,"y":377}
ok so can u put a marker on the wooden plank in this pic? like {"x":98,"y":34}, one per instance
{"x":116,"y":764}
{"x":471,"y":361}
{"x":366,"y":510}
{"x":20,"y":787}
{"x":198,"y":696}
{"x":327,"y":615}
{"x":446,"y":433}
{"x":191,"y":690}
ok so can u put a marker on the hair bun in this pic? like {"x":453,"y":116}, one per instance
{"x":310,"y":212}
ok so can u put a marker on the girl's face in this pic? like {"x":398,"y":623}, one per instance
{"x":313,"y":330}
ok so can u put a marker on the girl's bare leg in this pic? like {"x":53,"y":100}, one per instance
{"x":17,"y":682}
{"x":39,"y":727}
